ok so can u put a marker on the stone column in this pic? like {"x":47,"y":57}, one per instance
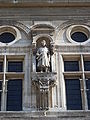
{"x":84,"y":94}
{"x":62,"y":84}
{"x":3,"y":104}
{"x":53,"y":63}
{"x":27,"y":83}
{"x":34,"y":63}
{"x":33,"y":57}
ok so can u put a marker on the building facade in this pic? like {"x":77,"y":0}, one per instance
{"x":45,"y":59}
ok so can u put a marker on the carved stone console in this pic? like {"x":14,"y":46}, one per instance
{"x":43,"y":83}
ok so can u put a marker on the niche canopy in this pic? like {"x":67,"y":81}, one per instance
{"x":9,"y":35}
{"x":78,"y":34}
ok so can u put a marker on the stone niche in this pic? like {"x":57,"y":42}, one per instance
{"x":43,"y":79}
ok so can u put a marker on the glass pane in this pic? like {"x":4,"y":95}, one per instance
{"x":87,"y":65}
{"x":7,"y":37}
{"x":71,"y":66}
{"x":14,"y":95}
{"x":15,"y":66}
{"x":73,"y":94}
{"x":79,"y":37}
{"x":1,"y":66}
{"x":88,"y":92}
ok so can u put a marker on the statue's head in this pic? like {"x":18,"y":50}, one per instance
{"x":43,"y":43}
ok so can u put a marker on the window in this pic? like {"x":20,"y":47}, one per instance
{"x":14,"y":95}
{"x":79,"y":37}
{"x":71,"y":66}
{"x":15,"y":66}
{"x":78,"y":34}
{"x":87,"y":65}
{"x":11,"y":77}
{"x":73,"y":94}
{"x":1,"y":66}
{"x":77,"y":81}
{"x":88,"y":92}
{"x":7,"y":37}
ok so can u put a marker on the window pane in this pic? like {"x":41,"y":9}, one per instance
{"x":1,"y":66}
{"x":6,"y":37}
{"x":79,"y":37}
{"x":71,"y":66}
{"x":87,"y":65}
{"x":88,"y":92}
{"x":15,"y":66}
{"x":14,"y":95}
{"x":0,"y":93}
{"x":73,"y":94}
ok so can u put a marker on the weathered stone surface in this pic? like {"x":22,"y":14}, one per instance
{"x":70,"y":115}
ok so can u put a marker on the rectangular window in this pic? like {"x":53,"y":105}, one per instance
{"x":14,"y":95}
{"x":1,"y":66}
{"x":15,"y":66}
{"x":73,"y":94}
{"x":88,"y":92}
{"x":71,"y":66}
{"x":87,"y":65}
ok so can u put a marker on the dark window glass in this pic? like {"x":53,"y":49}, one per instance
{"x":15,"y":66}
{"x":88,"y":92}
{"x":87,"y":65}
{"x":14,"y":95}
{"x":7,"y":37}
{"x":1,"y":66}
{"x":73,"y":94}
{"x":79,"y":37}
{"x":71,"y":66}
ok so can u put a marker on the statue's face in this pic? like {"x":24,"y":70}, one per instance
{"x":43,"y":43}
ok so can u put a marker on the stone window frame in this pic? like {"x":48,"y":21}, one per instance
{"x":82,"y":75}
{"x":5,"y":76}
{"x":11,"y":29}
{"x":78,"y":28}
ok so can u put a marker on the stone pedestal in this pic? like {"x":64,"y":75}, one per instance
{"x":43,"y":82}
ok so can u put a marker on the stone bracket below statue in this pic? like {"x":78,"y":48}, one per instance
{"x":44,"y":78}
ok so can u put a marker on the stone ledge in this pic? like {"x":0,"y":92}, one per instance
{"x":43,"y":3}
{"x":63,"y":115}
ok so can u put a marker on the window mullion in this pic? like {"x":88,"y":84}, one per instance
{"x":3,"y":103}
{"x":83,"y":86}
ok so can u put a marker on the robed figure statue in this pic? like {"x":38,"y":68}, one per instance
{"x":43,"y":58}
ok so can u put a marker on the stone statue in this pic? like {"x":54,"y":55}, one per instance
{"x":43,"y":58}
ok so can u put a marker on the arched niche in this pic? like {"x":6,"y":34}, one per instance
{"x":37,"y":44}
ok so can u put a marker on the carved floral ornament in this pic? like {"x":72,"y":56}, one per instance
{"x":78,"y":34}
